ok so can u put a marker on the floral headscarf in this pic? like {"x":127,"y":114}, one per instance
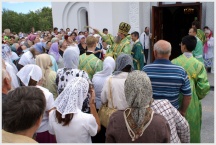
{"x":72,"y":97}
{"x":138,"y":93}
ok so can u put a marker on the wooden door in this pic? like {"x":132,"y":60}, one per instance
{"x":157,"y":28}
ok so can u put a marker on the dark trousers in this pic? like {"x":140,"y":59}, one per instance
{"x":100,"y":137}
{"x":146,"y":55}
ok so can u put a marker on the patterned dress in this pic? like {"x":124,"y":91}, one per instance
{"x":199,"y":87}
{"x":64,"y":75}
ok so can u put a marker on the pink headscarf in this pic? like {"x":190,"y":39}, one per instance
{"x":31,"y":37}
{"x":54,"y":51}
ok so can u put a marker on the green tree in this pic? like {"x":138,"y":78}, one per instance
{"x":41,"y":20}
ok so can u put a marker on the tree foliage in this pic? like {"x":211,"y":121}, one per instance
{"x":41,"y":20}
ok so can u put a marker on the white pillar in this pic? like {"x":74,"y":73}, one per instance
{"x":210,"y":15}
{"x":134,"y":20}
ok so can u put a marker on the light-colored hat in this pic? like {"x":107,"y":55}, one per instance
{"x":124,"y":28}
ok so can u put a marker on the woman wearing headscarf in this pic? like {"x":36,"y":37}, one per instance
{"x":48,"y":75}
{"x":10,"y":67}
{"x":98,"y":81}
{"x":100,"y":77}
{"x":124,"y":65}
{"x":55,"y":39}
{"x":30,"y":75}
{"x":138,"y":123}
{"x":29,"y":56}
{"x":70,"y":70}
{"x":68,"y":122}
{"x":54,"y":51}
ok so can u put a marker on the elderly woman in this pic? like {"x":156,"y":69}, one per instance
{"x":30,"y":75}
{"x":138,"y":123}
{"x":70,"y":70}
{"x":54,"y":51}
{"x":98,"y":81}
{"x":68,"y":122}
{"x":48,"y":75}
{"x":124,"y":65}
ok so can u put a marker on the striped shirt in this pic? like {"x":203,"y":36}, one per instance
{"x":168,"y":81}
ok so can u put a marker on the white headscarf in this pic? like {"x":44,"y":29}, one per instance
{"x":108,"y":67}
{"x":71,"y":98}
{"x":30,"y":70}
{"x":27,"y":58}
{"x":71,"y":58}
{"x":75,"y":47}
{"x":100,"y":77}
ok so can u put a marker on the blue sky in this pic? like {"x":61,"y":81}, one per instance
{"x":24,"y":7}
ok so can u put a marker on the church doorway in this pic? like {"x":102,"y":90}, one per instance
{"x":83,"y":19}
{"x":172,"y":22}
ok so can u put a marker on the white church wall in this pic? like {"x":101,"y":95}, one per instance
{"x":120,"y":11}
{"x":75,"y":15}
{"x":100,"y":15}
{"x":134,"y":16}
{"x":203,"y":22}
{"x":210,"y":15}
{"x":57,"y":11}
{"x":146,"y":16}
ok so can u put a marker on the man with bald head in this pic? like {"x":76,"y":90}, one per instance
{"x":168,"y":80}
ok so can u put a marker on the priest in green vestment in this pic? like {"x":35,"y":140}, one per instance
{"x":200,"y":33}
{"x":137,"y":52}
{"x":88,"y":61}
{"x":120,"y":44}
{"x":198,"y":51}
{"x":199,"y":85}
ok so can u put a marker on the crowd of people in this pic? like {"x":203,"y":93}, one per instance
{"x":55,"y":83}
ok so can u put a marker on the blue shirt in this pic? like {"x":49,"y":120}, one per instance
{"x":168,"y":81}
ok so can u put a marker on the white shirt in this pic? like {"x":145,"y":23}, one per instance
{"x":118,"y":95}
{"x":44,"y":126}
{"x":210,"y":52}
{"x":80,"y":129}
{"x":147,"y":40}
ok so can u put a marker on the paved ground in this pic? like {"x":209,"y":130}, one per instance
{"x":207,"y":130}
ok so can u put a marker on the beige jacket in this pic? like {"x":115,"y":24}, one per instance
{"x":8,"y":137}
